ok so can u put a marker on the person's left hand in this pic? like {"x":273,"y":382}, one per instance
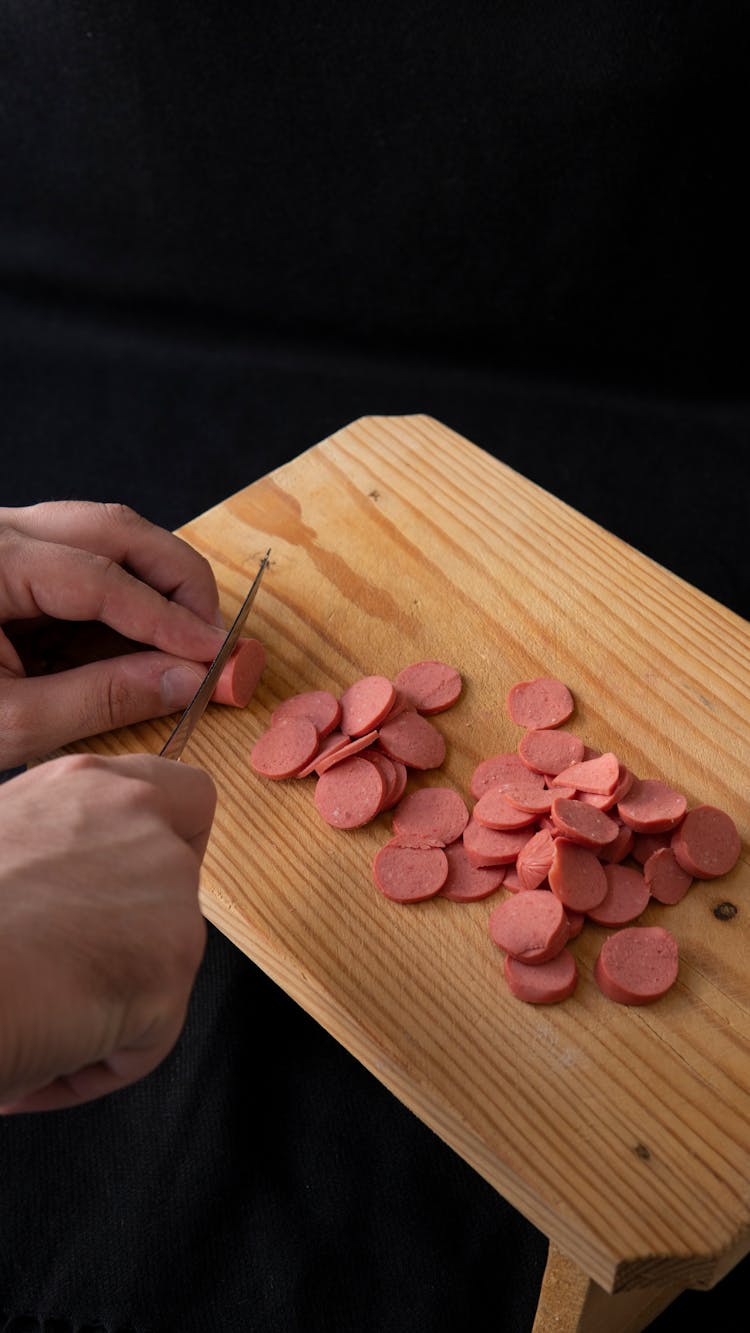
{"x":80,"y":561}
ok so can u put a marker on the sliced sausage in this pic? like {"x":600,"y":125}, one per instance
{"x":335,"y":740}
{"x":349,"y":794}
{"x":241,"y":673}
{"x":576,"y":877}
{"x":651,"y":806}
{"x":365,"y":704}
{"x":431,"y":687}
{"x":546,"y":983}
{"x":494,"y":811}
{"x":627,"y":896}
{"x":511,"y":880}
{"x":408,"y":874}
{"x":665,"y":877}
{"x":534,"y":860}
{"x":549,"y":751}
{"x":503,"y":770}
{"x":530,"y":926}
{"x":412,"y":739}
{"x":600,"y":775}
{"x":337,"y":755}
{"x":438,"y":813}
{"x":621,"y":847}
{"x":320,"y":706}
{"x":491,"y":847}
{"x":637,"y":965}
{"x":539,"y":703}
{"x":467,"y":883}
{"x":402,"y":777}
{"x":707,"y":843}
{"x":577,"y":922}
{"x":645,"y":844}
{"x":387,"y":770}
{"x":583,"y":823}
{"x":624,"y":783}
{"x":534,"y":800}
{"x":284,"y":749}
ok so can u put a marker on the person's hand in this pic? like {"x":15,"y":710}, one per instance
{"x":101,"y":930}
{"x":78,"y":561}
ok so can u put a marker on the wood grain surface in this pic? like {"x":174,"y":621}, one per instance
{"x":622,"y":1133}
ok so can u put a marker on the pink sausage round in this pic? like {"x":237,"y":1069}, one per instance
{"x":503,"y":770}
{"x":600,"y":775}
{"x":530,"y":926}
{"x":645,"y":844}
{"x":491,"y":847}
{"x":621,"y":847}
{"x":438,"y":813}
{"x":402,"y":777}
{"x":430,"y":687}
{"x":238,"y":680}
{"x":494,"y":811}
{"x":549,"y":751}
{"x":624,"y":783}
{"x":511,"y":880}
{"x":667,"y":881}
{"x":335,"y":740}
{"x":543,"y":702}
{"x":707,"y":844}
{"x":349,"y":794}
{"x":651,"y":806}
{"x":534,"y":860}
{"x":408,"y":874}
{"x":365,"y":704}
{"x":320,"y":706}
{"x":583,"y":823}
{"x":284,"y":749}
{"x":577,"y":922}
{"x":387,"y":770}
{"x":467,"y":883}
{"x":412,"y":739}
{"x":637,"y":965}
{"x":627,"y":896}
{"x":576,"y":877}
{"x":545,"y":983}
{"x":341,"y":752}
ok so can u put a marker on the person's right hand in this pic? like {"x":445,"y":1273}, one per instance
{"x":100,"y":929}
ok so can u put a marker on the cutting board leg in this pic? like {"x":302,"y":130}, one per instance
{"x":570,"y":1302}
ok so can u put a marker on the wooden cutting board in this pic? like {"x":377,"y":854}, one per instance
{"x":622,"y":1133}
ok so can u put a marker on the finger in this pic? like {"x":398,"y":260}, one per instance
{"x":122,"y":1068}
{"x":157,"y":556}
{"x":71,"y":584}
{"x":188,"y":793}
{"x":39,"y":714}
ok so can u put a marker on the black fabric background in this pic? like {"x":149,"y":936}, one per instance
{"x":225,"y":231}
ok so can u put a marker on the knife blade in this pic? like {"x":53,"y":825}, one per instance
{"x":181,"y":733}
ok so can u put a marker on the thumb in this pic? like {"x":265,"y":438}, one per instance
{"x":50,"y":711}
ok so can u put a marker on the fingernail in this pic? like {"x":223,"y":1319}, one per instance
{"x":178,"y":685}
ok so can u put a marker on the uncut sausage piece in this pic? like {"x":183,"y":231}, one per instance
{"x":550,"y":751}
{"x":626,"y":897}
{"x":707,"y":843}
{"x":576,"y":877}
{"x":349,"y":794}
{"x":365,"y":703}
{"x":545,"y":983}
{"x":284,"y":749}
{"x":651,"y":806}
{"x":430,"y":687}
{"x":320,"y":706}
{"x":543,"y":702}
{"x":438,"y":813}
{"x":637,"y":965}
{"x":238,"y":680}
{"x":408,"y":874}
{"x":583,"y":823}
{"x":412,"y":739}
{"x":467,"y":883}
{"x":530,"y":926}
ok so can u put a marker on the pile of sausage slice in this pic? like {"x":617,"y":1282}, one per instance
{"x":552,"y":822}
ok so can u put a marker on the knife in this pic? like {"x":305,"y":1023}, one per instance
{"x":179,"y":737}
